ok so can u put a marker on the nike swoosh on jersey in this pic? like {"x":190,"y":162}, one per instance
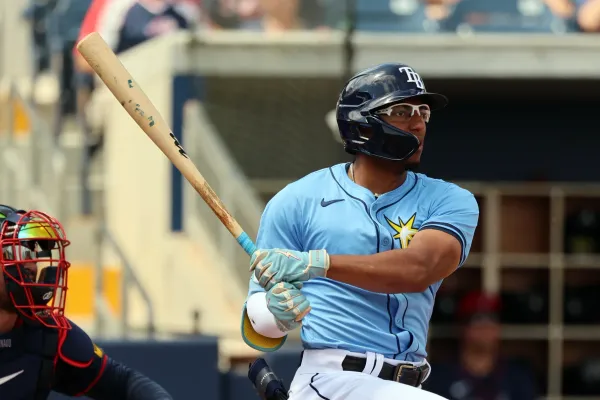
{"x":330,"y":202}
{"x":9,"y":377}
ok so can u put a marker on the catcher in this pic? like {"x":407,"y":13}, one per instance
{"x":40,"y":349}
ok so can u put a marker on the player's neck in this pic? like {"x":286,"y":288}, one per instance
{"x":377,"y":175}
{"x":7,"y":321}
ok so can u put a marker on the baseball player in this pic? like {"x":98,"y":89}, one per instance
{"x":355,"y":253}
{"x":40,"y":349}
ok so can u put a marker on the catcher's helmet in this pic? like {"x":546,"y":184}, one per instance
{"x":33,"y":265}
{"x":374,"y":89}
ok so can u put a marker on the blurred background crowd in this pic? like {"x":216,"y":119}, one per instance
{"x":520,"y":321}
{"x":57,"y":24}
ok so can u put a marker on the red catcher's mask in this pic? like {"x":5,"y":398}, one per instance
{"x":34,"y":266}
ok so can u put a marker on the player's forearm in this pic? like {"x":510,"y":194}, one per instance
{"x":394,"y":271}
{"x":140,"y":387}
{"x":119,"y":382}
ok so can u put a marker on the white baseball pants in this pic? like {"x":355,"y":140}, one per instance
{"x":320,"y":377}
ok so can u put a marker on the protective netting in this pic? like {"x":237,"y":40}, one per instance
{"x":275,"y":127}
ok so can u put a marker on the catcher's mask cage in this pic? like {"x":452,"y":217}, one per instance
{"x":34,"y":266}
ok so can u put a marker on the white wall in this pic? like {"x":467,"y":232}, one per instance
{"x":181,"y":273}
{"x":15,"y":40}
{"x":137,"y":195}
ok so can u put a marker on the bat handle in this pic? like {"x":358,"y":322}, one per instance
{"x":244,"y":240}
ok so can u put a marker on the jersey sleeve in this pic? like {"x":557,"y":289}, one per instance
{"x":79,"y":364}
{"x":455,"y":212}
{"x":120,"y":382}
{"x":280,"y":227}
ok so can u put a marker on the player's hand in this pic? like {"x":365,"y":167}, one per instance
{"x":279,"y":265}
{"x":288,"y":305}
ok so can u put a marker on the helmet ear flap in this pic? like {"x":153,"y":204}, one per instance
{"x":15,"y":217}
{"x":374,"y":137}
{"x":8,"y":213}
{"x":5,"y":210}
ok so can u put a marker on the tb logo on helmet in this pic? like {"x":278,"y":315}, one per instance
{"x":413,"y":77}
{"x":366,"y":95}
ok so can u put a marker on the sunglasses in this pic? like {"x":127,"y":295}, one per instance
{"x":404,"y":111}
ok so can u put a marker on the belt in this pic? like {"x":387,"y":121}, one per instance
{"x":407,"y":374}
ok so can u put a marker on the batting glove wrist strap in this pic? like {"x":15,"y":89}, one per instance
{"x":318,"y":263}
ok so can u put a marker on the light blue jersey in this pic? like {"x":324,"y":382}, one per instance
{"x":327,"y":210}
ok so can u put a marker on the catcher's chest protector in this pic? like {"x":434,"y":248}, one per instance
{"x":27,"y":363}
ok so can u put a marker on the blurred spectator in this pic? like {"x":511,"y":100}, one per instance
{"x":480,"y":373}
{"x":127,"y":23}
{"x":83,"y":72}
{"x":266,"y":15}
{"x":147,"y":19}
{"x":588,"y":15}
{"x":37,"y":15}
{"x":234,"y":14}
{"x":124,"y":24}
{"x":280,"y":15}
{"x":55,"y":26}
{"x":439,"y":9}
{"x":63,"y":28}
{"x":531,"y":16}
{"x":561,"y":8}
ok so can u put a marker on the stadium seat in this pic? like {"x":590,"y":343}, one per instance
{"x":404,"y":16}
{"x":522,"y":16}
{"x":393,"y":16}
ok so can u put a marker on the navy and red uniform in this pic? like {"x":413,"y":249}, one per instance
{"x":35,"y":360}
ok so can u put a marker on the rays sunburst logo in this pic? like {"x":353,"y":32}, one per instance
{"x":404,"y":230}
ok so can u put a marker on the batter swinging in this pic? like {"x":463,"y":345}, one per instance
{"x":355,"y":253}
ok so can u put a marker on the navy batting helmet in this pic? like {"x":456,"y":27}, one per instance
{"x":374,"y":89}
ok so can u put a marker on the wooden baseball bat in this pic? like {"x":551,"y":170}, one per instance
{"x":137,"y":104}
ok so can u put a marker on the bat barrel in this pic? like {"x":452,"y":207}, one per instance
{"x":130,"y":95}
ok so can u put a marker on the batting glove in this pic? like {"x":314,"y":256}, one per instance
{"x":288,"y":305}
{"x":278,"y":265}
